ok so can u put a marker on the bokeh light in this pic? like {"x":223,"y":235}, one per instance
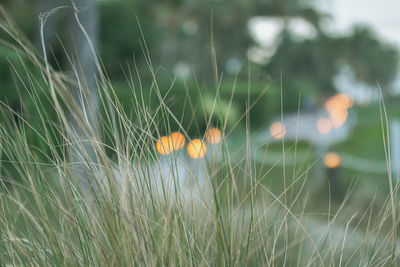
{"x":277,"y":130}
{"x":213,"y":135}
{"x":324,"y":125}
{"x":337,"y":107}
{"x":196,"y":149}
{"x":339,"y":117}
{"x":348,"y":99}
{"x":339,"y":101}
{"x":164,"y":145}
{"x":332,"y":160}
{"x":177,"y":140}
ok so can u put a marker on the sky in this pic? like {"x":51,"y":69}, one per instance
{"x":382,"y":15}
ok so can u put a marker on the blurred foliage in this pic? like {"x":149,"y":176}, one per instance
{"x":181,"y":32}
{"x":315,"y":62}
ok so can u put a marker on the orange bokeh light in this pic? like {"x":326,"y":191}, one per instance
{"x":177,"y":140}
{"x":339,"y":101}
{"x":277,"y":130}
{"x":164,"y":145}
{"x":213,"y":135}
{"x":324,"y":125}
{"x":197,"y":149}
{"x":337,"y":106}
{"x":345,"y":99}
{"x":332,"y":160}
{"x":338,"y":117}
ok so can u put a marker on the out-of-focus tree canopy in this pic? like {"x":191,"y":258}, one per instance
{"x":178,"y":36}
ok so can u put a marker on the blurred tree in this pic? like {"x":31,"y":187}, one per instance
{"x":178,"y":36}
{"x":314,"y":63}
{"x":185,"y":28}
{"x":372,"y":60}
{"x":120,"y":38}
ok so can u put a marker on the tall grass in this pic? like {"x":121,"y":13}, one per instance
{"x":122,"y":204}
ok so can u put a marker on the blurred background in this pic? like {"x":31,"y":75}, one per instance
{"x":332,"y":61}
